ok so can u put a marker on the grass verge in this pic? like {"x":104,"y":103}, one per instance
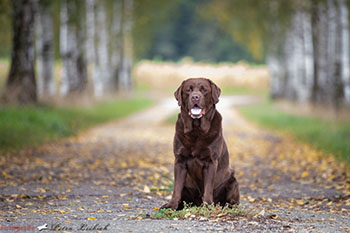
{"x":329,"y":136}
{"x":34,"y":125}
{"x":203,"y":212}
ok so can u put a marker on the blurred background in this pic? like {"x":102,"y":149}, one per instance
{"x":77,"y":55}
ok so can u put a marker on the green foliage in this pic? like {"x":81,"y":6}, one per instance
{"x":205,"y":211}
{"x":329,"y":136}
{"x":176,"y":30}
{"x":30,"y":126}
{"x":251,"y":23}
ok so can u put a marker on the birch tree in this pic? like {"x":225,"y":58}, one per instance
{"x":124,"y":74}
{"x":103,"y":77}
{"x":299,"y":57}
{"x":72,"y":47}
{"x":21,"y":85}
{"x":45,"y":50}
{"x":116,"y":41}
{"x":90,"y":42}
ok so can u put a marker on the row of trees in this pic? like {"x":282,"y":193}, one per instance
{"x":311,"y":62}
{"x":95,"y":41}
{"x":305,"y":44}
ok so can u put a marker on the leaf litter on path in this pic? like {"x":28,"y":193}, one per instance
{"x":119,"y":170}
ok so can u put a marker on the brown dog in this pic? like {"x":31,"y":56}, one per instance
{"x":201,"y":169}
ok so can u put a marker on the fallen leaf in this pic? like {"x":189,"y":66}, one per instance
{"x":305,"y":174}
{"x":146,"y":189}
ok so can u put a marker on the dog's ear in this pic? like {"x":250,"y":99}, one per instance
{"x":178,"y":94}
{"x":215,"y":91}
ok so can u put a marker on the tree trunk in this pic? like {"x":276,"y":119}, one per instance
{"x":90,"y":42}
{"x":124,"y":76}
{"x":320,"y":86}
{"x":298,"y":46}
{"x":116,"y":41}
{"x":334,"y":91}
{"x":72,"y":42}
{"x":276,"y":57}
{"x":45,"y":50}
{"x":345,"y":70}
{"x":102,"y":80}
{"x":21,"y":85}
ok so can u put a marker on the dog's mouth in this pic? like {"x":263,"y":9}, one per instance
{"x":196,"y":112}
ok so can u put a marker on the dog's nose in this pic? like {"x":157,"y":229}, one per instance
{"x":195,"y":97}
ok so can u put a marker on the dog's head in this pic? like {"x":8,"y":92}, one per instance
{"x":197,"y":98}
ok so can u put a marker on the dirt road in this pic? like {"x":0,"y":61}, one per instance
{"x":109,"y":177}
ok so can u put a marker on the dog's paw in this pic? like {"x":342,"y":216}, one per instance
{"x":169,"y":205}
{"x":207,"y":199}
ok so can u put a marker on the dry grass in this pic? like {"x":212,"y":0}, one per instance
{"x":167,"y":76}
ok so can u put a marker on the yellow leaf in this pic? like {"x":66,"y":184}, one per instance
{"x":300,"y":202}
{"x":100,"y":210}
{"x":127,"y":207}
{"x":155,"y":209}
{"x":105,"y":196}
{"x":62,"y":211}
{"x":305,"y":174}
{"x":331,"y":219}
{"x":91,"y":218}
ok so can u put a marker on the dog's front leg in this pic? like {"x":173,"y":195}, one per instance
{"x":180,"y":173}
{"x":209,"y":178}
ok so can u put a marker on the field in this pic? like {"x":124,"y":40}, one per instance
{"x":232,"y":78}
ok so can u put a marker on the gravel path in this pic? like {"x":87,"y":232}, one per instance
{"x":109,"y":178}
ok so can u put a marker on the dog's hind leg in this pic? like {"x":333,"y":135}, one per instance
{"x":228,"y":192}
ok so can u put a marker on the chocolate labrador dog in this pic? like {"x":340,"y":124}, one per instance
{"x":201,"y":169}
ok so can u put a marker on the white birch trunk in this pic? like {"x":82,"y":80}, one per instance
{"x":332,"y":52}
{"x":276,"y":57}
{"x":116,"y":40}
{"x":308,"y":58}
{"x":320,"y":45}
{"x":294,"y":58}
{"x":72,"y":48}
{"x":102,"y":79}
{"x":90,"y":42}
{"x":124,"y":79}
{"x":64,"y":48}
{"x":345,"y":63}
{"x":45,"y":52}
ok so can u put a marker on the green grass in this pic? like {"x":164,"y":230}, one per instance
{"x":204,"y":211}
{"x":34,"y":125}
{"x":329,"y":136}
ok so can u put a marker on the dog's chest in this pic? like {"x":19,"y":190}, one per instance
{"x":195,"y":168}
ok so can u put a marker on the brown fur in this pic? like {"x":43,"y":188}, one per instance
{"x":201,"y":168}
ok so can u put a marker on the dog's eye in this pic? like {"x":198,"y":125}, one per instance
{"x":203,"y":90}
{"x":189,"y":89}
